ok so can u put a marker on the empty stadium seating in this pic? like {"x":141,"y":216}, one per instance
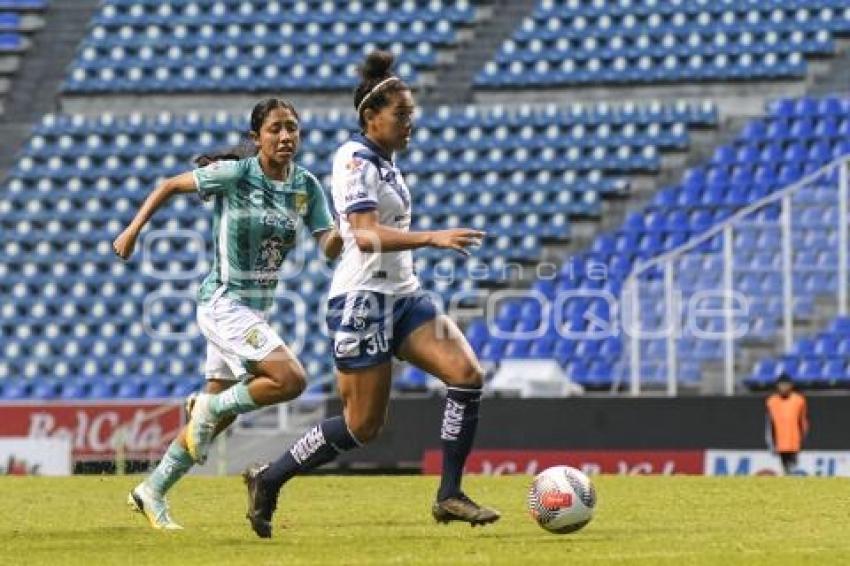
{"x":796,"y":138}
{"x":78,"y":314}
{"x":81,"y":324}
{"x":18,"y":19}
{"x":584,"y":42}
{"x":251,"y":46}
{"x":820,"y":361}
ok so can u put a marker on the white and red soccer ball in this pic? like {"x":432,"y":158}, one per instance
{"x":561,"y":499}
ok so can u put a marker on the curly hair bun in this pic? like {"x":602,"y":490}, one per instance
{"x":377,"y":66}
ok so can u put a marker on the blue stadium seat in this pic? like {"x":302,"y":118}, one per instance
{"x":110,"y":160}
{"x":181,"y":48}
{"x":705,"y":197}
{"x":412,"y":379}
{"x":582,"y":44}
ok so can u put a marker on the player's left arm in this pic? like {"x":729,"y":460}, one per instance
{"x":330,"y":242}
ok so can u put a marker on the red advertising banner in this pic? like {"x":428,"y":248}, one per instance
{"x":622,"y":462}
{"x":95,"y":429}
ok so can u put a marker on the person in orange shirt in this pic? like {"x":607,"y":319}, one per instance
{"x":787,"y":422}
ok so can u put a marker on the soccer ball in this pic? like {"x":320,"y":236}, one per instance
{"x":561,"y":499}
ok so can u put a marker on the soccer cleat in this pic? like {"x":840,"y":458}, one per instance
{"x":142,"y":500}
{"x":201,"y":428}
{"x":261,"y":501}
{"x":462,"y":508}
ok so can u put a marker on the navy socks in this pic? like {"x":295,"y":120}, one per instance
{"x":460,"y":419}
{"x":320,"y":445}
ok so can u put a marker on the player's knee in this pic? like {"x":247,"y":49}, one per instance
{"x":470,"y":375}
{"x":290,"y":382}
{"x":296,"y":383}
{"x":366,"y":430}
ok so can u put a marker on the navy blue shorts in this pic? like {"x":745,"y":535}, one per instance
{"x":367,"y":328}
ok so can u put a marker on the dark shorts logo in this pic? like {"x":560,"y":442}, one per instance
{"x":347,"y":346}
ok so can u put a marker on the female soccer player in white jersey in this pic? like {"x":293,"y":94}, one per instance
{"x":260,"y":202}
{"x":376,"y":310}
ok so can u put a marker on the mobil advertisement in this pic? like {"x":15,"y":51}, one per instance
{"x":764,"y":463}
{"x":591,"y":462}
{"x":96,"y":431}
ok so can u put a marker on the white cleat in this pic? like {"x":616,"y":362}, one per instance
{"x":200,"y":430}
{"x":142,"y":500}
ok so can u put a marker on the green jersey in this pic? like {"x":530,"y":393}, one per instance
{"x":255,"y":224}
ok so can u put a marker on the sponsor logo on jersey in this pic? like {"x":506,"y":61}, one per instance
{"x":271,"y":254}
{"x":357,"y":195}
{"x":255,"y":338}
{"x":277,"y":220}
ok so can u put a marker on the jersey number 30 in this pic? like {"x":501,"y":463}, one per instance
{"x":377,"y":343}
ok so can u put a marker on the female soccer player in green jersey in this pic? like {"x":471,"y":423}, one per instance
{"x":259,"y":203}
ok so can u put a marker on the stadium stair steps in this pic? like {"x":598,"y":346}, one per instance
{"x":837,"y":78}
{"x":37,"y":82}
{"x":496,"y":21}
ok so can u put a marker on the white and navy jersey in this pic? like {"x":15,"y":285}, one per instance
{"x":365,"y":178}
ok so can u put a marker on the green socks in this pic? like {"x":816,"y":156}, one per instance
{"x":234,"y":401}
{"x":173,"y":466}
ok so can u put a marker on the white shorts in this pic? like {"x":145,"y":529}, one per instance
{"x":236,"y":334}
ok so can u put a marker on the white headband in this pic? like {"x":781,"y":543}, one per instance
{"x":375,"y":89}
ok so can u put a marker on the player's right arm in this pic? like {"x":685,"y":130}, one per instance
{"x":126,"y":241}
{"x":216,"y":178}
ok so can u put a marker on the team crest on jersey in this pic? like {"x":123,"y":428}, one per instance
{"x":255,"y":338}
{"x":300,"y":202}
{"x":355,"y":164}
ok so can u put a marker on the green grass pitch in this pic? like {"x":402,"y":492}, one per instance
{"x":386,"y":520}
